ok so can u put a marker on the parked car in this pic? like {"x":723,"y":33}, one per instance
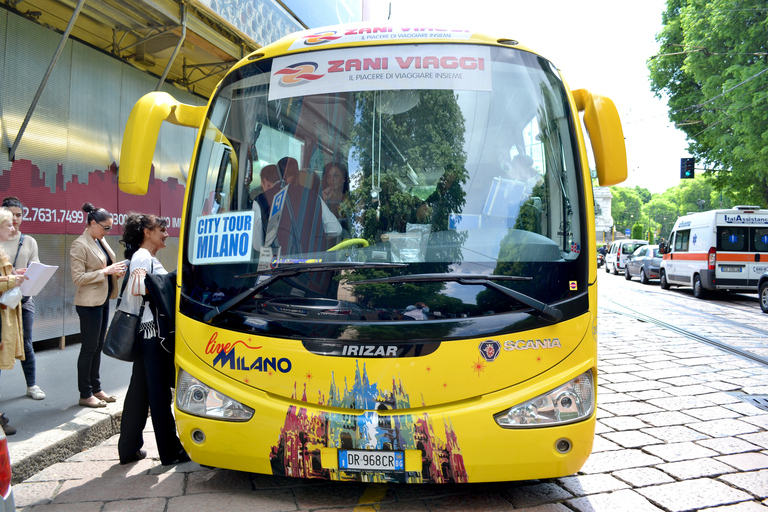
{"x":616,"y":258}
{"x":644,"y":263}
{"x":319,"y":309}
{"x":7,"y":502}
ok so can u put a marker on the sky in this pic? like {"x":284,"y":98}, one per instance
{"x":600,"y":45}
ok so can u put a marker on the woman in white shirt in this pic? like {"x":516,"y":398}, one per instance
{"x":153,"y":369}
{"x":22,"y":249}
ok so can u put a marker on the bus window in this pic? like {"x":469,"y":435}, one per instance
{"x":220,"y":186}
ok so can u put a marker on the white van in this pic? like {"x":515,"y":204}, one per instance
{"x":616,"y":257}
{"x":725,"y":250}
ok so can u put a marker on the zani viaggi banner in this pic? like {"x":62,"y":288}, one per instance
{"x":460,"y":67}
{"x":364,"y":32}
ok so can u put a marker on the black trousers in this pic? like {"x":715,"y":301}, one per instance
{"x":150,"y":391}
{"x":93,"y":328}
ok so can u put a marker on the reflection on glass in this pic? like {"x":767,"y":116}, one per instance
{"x":445,"y":181}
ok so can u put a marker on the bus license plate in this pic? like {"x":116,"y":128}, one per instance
{"x":363,"y":460}
{"x":730,"y":269}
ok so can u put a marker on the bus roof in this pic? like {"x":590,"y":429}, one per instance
{"x":373,"y":34}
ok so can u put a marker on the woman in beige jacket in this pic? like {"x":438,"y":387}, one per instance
{"x":94,"y":272}
{"x":12,"y":338}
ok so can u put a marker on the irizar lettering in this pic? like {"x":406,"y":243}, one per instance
{"x":369,"y":350}
{"x":544,"y":344}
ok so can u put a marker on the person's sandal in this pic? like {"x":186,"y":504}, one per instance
{"x":105,"y":397}
{"x":92,"y":402}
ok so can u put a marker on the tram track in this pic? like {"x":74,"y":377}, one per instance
{"x":665,"y":297}
{"x":632,"y":313}
{"x":720,"y":300}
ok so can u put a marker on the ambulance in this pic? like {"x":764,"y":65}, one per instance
{"x":718,"y":250}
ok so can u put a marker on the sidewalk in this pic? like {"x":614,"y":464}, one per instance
{"x":53,"y":429}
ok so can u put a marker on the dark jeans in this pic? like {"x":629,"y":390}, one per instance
{"x":93,"y":328}
{"x":150,"y":391}
{"x":28,"y":364}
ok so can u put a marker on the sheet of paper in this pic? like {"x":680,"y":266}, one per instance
{"x":38,"y":276}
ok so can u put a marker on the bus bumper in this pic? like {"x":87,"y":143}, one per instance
{"x":457,"y":444}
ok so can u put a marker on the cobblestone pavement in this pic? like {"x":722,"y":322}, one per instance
{"x":672,"y":435}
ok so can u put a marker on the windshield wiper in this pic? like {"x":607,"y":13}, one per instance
{"x":545,"y":310}
{"x":290,"y":270}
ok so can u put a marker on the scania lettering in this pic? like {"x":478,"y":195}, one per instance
{"x":718,"y":250}
{"x":387,"y":259}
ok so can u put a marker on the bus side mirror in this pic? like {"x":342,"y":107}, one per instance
{"x":606,"y":135}
{"x":141,"y":132}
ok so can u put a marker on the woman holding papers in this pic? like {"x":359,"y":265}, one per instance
{"x":94,"y":272}
{"x":22,"y":250}
{"x":11,"y":344}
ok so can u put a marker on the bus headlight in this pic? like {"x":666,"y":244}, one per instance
{"x":194,"y":397}
{"x":571,"y":402}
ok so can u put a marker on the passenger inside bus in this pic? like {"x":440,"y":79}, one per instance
{"x":269,"y":178}
{"x":306,"y":224}
{"x":335,"y":185}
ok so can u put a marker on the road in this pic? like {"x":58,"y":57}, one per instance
{"x":679,"y":428}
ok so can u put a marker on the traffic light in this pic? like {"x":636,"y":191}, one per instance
{"x":686,"y":168}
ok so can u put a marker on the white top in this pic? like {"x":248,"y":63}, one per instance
{"x":142,"y":263}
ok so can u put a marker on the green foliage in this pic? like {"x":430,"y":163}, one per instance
{"x":713,"y":70}
{"x":638,"y":231}
{"x":662,"y":213}
{"x":643,"y":193}
{"x":421,"y":159}
{"x":626,"y":207}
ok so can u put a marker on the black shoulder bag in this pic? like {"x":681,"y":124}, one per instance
{"x":123,"y":332}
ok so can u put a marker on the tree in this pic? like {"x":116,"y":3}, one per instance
{"x":415,"y":179}
{"x":712,"y":68}
{"x":643,"y":193}
{"x":694,"y":196}
{"x":662,"y":214}
{"x":625,"y":207}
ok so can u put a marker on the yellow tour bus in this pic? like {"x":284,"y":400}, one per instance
{"x":387,"y":266}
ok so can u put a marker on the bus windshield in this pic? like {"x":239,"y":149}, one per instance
{"x":412,"y":196}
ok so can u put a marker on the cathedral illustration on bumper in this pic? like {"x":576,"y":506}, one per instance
{"x":297,"y":452}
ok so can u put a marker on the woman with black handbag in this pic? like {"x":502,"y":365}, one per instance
{"x":153,"y":366}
